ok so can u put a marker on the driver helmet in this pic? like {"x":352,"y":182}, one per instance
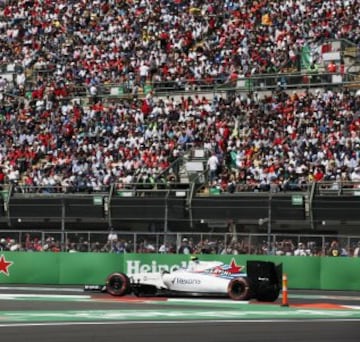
{"x":194,"y":258}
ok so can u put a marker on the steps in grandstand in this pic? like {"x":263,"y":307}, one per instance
{"x":194,"y":166}
{"x":355,"y":85}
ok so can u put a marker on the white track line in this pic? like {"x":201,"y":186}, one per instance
{"x":312,"y":321}
{"x":50,"y":296}
{"x":197,"y":300}
{"x":40,"y":289}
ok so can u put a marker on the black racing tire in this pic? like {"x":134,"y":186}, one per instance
{"x":118,"y":284}
{"x":268,"y":292}
{"x":239,"y":289}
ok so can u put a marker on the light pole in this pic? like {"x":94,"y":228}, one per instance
{"x":268,"y":221}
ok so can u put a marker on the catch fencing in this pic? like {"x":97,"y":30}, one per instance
{"x":179,"y":243}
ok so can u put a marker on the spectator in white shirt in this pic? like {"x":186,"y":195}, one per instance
{"x":213,"y":164}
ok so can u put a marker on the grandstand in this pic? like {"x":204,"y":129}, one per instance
{"x":111,"y":106}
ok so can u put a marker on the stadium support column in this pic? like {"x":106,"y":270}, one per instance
{"x":166,"y":216}
{"x":63,"y":213}
{"x":269,"y":224}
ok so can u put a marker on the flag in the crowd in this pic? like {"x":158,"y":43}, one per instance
{"x":305,"y":57}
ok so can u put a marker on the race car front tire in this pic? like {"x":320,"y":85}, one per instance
{"x":239,"y":289}
{"x":118,"y":284}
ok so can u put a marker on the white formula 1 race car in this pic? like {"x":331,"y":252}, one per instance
{"x":261,"y":281}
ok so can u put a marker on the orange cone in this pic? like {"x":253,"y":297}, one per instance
{"x":284,"y":291}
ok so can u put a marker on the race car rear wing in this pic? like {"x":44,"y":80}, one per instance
{"x":265,"y":278}
{"x":264,"y":270}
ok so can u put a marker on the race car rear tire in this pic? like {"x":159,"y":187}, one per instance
{"x":239,"y":289}
{"x":118,"y":284}
{"x":268,"y":292}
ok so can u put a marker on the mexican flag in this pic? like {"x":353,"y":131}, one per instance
{"x":306,"y":58}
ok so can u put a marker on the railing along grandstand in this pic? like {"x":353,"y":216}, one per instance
{"x":333,"y":187}
{"x":253,"y":83}
{"x":112,"y":241}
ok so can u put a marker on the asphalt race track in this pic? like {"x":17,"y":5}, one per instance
{"x":69,"y":314}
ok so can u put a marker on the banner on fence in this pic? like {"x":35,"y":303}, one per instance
{"x":325,"y":273}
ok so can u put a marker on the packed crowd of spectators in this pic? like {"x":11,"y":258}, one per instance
{"x":115,"y":41}
{"x":47,"y":139}
{"x":118,"y":244}
{"x":282,"y":141}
